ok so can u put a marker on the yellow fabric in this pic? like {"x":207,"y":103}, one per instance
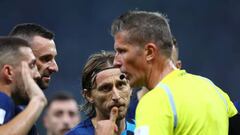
{"x":202,"y":108}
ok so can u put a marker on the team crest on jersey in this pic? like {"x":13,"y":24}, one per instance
{"x":2,"y":115}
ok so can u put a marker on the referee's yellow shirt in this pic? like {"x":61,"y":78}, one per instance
{"x":184,"y":104}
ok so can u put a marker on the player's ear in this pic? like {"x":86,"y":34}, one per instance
{"x":179,"y":64}
{"x":7,"y":73}
{"x":88,"y":96}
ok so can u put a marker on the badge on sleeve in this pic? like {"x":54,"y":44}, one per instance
{"x":2,"y":115}
{"x":142,"y":130}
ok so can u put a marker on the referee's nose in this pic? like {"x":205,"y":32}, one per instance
{"x":117,"y":62}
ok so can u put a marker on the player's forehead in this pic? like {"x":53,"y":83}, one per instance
{"x":43,"y":46}
{"x":108,"y":75}
{"x":63,"y":105}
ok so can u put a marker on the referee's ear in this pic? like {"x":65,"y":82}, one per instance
{"x":150,"y":51}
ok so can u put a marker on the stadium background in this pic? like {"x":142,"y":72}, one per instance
{"x":207,"y":32}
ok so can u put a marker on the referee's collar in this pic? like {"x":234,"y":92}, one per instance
{"x":174,"y":74}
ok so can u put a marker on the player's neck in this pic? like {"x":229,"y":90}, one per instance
{"x":6,"y":89}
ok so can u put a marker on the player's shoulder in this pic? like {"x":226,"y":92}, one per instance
{"x":7,"y":108}
{"x":84,"y":128}
{"x":4,"y":97}
{"x":6,"y":102}
{"x":130,"y":126}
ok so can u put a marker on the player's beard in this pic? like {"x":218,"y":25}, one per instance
{"x":41,"y":83}
{"x":19,"y":94}
{"x":20,"y":97}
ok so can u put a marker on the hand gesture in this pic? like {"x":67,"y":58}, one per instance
{"x":29,"y":85}
{"x":108,"y":127}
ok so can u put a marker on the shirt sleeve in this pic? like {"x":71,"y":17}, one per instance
{"x":154,"y":115}
{"x":231,"y":108}
{"x":71,"y":133}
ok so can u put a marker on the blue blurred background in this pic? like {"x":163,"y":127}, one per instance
{"x":207,"y":32}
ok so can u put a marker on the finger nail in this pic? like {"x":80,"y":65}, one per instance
{"x":115,"y":129}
